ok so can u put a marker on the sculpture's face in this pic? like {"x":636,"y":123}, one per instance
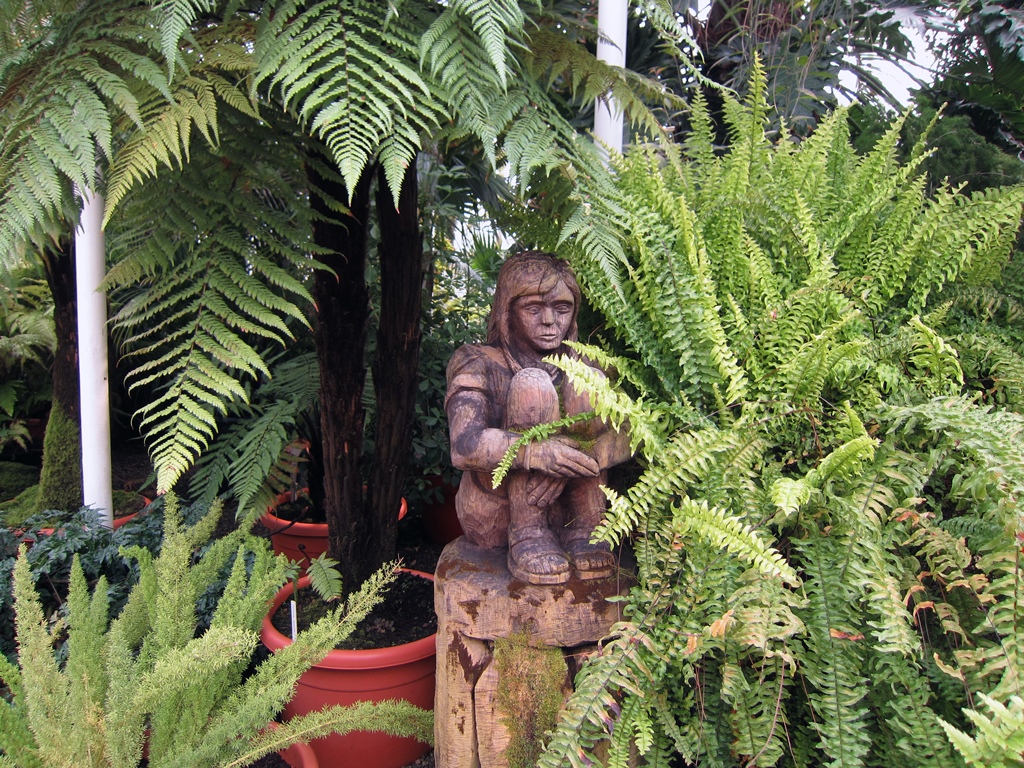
{"x":542,"y":320}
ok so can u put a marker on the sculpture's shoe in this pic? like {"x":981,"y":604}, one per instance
{"x":535,"y":557}
{"x":591,"y":561}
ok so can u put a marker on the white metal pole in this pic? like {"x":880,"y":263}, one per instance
{"x":611,"y":47}
{"x":90,"y":268}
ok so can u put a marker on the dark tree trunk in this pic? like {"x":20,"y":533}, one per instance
{"x":343,"y":309}
{"x":60,"y":482}
{"x":396,"y":364}
{"x":60,"y":275}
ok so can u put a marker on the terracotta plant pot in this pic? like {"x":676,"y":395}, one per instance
{"x":345,"y":677}
{"x":440,"y":520}
{"x":298,"y":755}
{"x":301,"y":542}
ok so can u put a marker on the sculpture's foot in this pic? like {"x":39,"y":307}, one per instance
{"x":535,"y":557}
{"x":591,"y":561}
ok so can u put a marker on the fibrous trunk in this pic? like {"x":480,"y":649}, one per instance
{"x":61,"y":478}
{"x":363,"y":530}
{"x":343,"y":309}
{"x":396,"y":363}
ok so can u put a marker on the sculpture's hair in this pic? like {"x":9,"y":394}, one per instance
{"x":528,"y":273}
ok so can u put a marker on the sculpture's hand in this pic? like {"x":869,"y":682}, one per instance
{"x":559,"y":456}
{"x":542,"y":490}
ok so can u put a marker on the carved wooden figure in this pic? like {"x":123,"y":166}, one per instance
{"x":551,"y":501}
{"x":526,"y":567}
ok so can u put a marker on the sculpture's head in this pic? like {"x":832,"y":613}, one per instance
{"x":535,"y":305}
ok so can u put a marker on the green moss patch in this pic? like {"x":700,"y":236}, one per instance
{"x":15,"y":478}
{"x":14,"y":512}
{"x":532,"y":685}
{"x":61,"y":479}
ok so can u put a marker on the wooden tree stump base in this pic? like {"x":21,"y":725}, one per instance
{"x":478,"y":601}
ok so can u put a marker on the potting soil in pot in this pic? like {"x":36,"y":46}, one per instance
{"x":405,"y":615}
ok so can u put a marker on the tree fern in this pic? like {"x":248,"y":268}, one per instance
{"x":212,"y":302}
{"x":156,"y":94}
{"x":82,"y":82}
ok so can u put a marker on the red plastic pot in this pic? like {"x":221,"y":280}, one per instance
{"x":404,"y":672}
{"x":301,"y":542}
{"x":440,"y":520}
{"x":298,"y":755}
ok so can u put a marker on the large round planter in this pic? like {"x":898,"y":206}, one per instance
{"x":440,"y":520}
{"x":404,"y":672}
{"x":301,"y":542}
{"x":298,"y":755}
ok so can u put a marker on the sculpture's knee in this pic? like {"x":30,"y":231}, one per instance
{"x":532,"y":400}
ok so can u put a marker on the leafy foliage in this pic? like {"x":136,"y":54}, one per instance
{"x":151,"y":676}
{"x":199,"y":121}
{"x":212,"y":286}
{"x":826,"y":522}
{"x":76,"y":81}
{"x":27,"y":343}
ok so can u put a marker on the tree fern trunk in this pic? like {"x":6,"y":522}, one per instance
{"x":61,"y":479}
{"x":397,"y":360}
{"x":343,"y":309}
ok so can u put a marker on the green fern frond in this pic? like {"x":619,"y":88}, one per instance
{"x":350,"y":73}
{"x":914,"y":736}
{"x":80,"y":102}
{"x":692,"y":518}
{"x":393,"y":717}
{"x":993,"y":437}
{"x":994,"y":366}
{"x":538,"y":432}
{"x":324,"y":578}
{"x":528,"y":145}
{"x":457,"y":60}
{"x":832,"y":664}
{"x":844,"y":462}
{"x":175,"y":23}
{"x":699,"y":143}
{"x":162,"y":138}
{"x":493,"y":25}
{"x":674,"y":466}
{"x":593,"y":710}
{"x":988,"y":303}
{"x":555,"y":55}
{"x":991,"y":240}
{"x":1000,"y":739}
{"x":211,"y":305}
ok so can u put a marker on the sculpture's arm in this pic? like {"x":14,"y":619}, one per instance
{"x":475,"y":446}
{"x":478,"y":447}
{"x":611,"y":447}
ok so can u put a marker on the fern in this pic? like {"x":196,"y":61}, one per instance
{"x":801,"y":582}
{"x":832,"y":665}
{"x":172,"y":103}
{"x":1000,"y":739}
{"x":72,"y":101}
{"x":211,"y":302}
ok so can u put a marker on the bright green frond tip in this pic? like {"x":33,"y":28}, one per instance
{"x":999,"y":742}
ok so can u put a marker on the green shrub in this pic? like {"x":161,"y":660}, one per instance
{"x":153,"y":676}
